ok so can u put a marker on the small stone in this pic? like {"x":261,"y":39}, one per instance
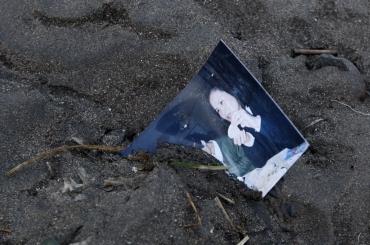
{"x":134,"y":169}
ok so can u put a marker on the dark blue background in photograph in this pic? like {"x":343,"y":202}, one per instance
{"x":189,"y":118}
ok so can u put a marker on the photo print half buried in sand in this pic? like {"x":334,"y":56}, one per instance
{"x":226,"y":112}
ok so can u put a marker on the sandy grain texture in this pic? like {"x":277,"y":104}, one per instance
{"x":77,"y":70}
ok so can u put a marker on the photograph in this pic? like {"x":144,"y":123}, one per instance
{"x":227,"y":113}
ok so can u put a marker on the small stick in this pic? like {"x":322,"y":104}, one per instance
{"x":51,"y":171}
{"x":219,"y":204}
{"x":5,"y":230}
{"x":62,"y":149}
{"x":354,"y":110}
{"x":299,"y":51}
{"x":198,"y":166}
{"x":113,"y":182}
{"x":229,"y":200}
{"x":358,"y":238}
{"x":140,"y":156}
{"x":313,"y":123}
{"x":244,"y":240}
{"x":199,"y":220}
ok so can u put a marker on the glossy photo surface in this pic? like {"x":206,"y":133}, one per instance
{"x":227,"y":113}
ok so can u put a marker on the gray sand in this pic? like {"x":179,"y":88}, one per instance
{"x":77,"y":70}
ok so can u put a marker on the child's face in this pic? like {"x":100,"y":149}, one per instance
{"x":224,"y":103}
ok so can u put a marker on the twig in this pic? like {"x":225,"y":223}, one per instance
{"x":140,"y":156}
{"x":126,"y":181}
{"x":358,"y":238}
{"x":219,"y":204}
{"x":229,"y":200}
{"x":313,"y":123}
{"x":197,"y":166}
{"x":114,"y":182}
{"x":354,"y":110}
{"x":244,"y":240}
{"x":199,"y":220}
{"x":50,"y":169}
{"x":62,"y":149}
{"x":298,"y":51}
{"x":5,"y":230}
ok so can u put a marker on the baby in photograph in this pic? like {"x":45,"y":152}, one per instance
{"x":252,"y":150}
